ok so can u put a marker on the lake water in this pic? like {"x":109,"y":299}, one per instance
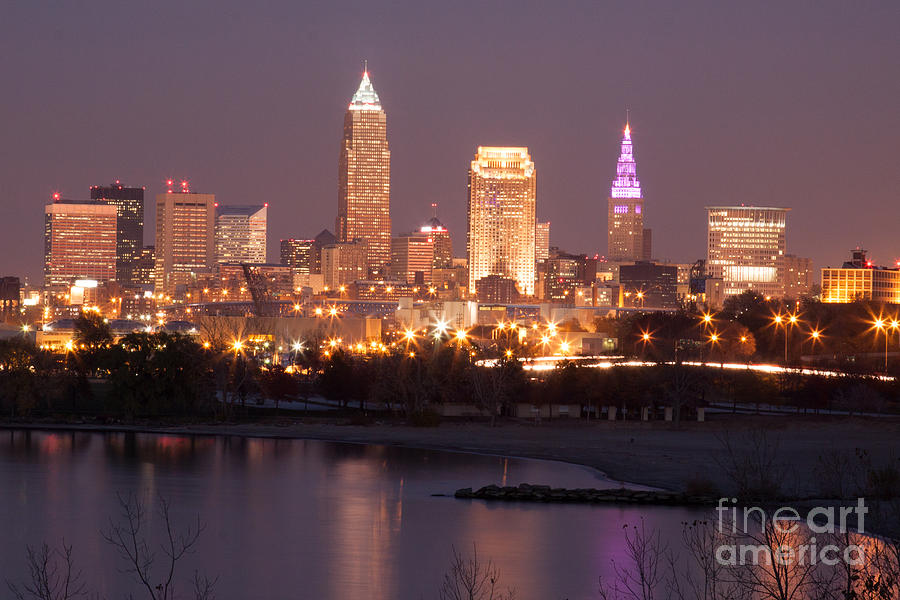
{"x":310,"y":519}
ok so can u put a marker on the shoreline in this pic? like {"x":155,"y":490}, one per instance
{"x":658,"y":455}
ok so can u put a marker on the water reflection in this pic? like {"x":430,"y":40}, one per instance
{"x":298,"y":518}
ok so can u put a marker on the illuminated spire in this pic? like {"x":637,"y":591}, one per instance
{"x":365,"y":97}
{"x":626,"y":184}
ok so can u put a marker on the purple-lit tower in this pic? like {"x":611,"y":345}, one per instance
{"x":627,"y":240}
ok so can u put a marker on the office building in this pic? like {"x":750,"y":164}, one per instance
{"x":501,"y":217}
{"x":859,"y":279}
{"x":79,"y":242}
{"x":10,"y":296}
{"x":412,"y":257}
{"x":323,"y":239}
{"x":625,"y":218}
{"x":542,"y":241}
{"x":297,"y":254}
{"x":649,"y":285}
{"x":443,"y":245}
{"x":343,"y":263}
{"x":144,"y":266}
{"x":241,"y":234}
{"x":185,"y":237}
{"x":565,"y":274}
{"x":364,"y":177}
{"x":496,"y":289}
{"x":746,"y":248}
{"x":129,"y":203}
{"x":796,"y":272}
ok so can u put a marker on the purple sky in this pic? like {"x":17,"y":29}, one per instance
{"x":784,"y":104}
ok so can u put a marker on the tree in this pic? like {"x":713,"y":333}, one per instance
{"x":129,"y":539}
{"x":471,"y":579}
{"x":51,"y":575}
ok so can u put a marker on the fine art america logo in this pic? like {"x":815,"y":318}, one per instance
{"x":786,"y":538}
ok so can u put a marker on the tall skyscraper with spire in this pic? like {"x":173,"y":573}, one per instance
{"x":364,"y":178}
{"x":625,"y":241}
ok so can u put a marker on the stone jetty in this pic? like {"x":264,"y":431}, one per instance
{"x":544,"y":493}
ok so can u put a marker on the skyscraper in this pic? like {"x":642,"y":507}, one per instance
{"x":501,"y":217}
{"x":364,"y":177}
{"x":625,"y":241}
{"x":79,"y":242}
{"x":746,"y":248}
{"x":412,"y":257}
{"x":542,"y":241}
{"x":241,"y":233}
{"x":185,"y":236}
{"x":443,"y":245}
{"x":343,"y":263}
{"x":297,"y":254}
{"x":129,"y":203}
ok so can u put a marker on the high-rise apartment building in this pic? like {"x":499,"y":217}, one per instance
{"x":129,"y":203}
{"x":501,"y":217}
{"x":412,"y":257}
{"x":297,"y":254}
{"x":79,"y":242}
{"x":185,"y":237}
{"x":746,"y":248}
{"x":241,"y":234}
{"x":364,"y":177}
{"x":542,"y":241}
{"x":625,"y":219}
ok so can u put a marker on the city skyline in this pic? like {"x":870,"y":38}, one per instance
{"x":705,"y":135}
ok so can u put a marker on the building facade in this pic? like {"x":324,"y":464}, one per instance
{"x":746,"y":248}
{"x":297,"y":254}
{"x":796,"y":272}
{"x":649,"y":285}
{"x":241,"y":234}
{"x":343,"y":263}
{"x":364,"y":177}
{"x":79,"y":242}
{"x":443,"y":245}
{"x":144,"y":267}
{"x":859,"y":279}
{"x":501,"y":217}
{"x":185,"y":238}
{"x":625,"y":218}
{"x":542,"y":241}
{"x":129,"y":203}
{"x":412,"y":257}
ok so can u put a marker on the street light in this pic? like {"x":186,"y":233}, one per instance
{"x":881,"y":324}
{"x":787,"y":320}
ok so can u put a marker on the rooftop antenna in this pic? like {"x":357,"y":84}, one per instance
{"x":366,"y":65}
{"x":434,"y":209}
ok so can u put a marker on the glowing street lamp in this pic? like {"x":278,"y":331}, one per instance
{"x":237,"y":346}
{"x":882,"y":324}
{"x":564,"y":348}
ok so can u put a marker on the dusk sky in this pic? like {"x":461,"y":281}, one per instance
{"x":792,"y":104}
